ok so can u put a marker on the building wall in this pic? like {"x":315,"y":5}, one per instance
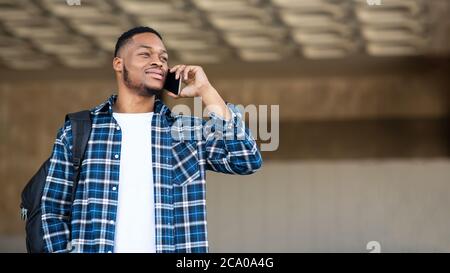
{"x":328,"y":206}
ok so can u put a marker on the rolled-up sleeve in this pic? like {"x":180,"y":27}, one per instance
{"x":229,"y":145}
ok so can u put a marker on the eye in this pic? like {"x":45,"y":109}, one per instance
{"x":164,"y":59}
{"x":145,"y":54}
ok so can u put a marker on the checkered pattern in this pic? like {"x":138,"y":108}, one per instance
{"x":183,"y":148}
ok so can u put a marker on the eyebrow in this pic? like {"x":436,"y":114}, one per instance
{"x":149,"y":47}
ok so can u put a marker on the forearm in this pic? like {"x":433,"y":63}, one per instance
{"x":214,"y":102}
{"x":56,"y":195}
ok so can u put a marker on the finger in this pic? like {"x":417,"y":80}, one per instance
{"x":174,"y":68}
{"x":179,"y":71}
{"x":192,"y":70}
{"x":186,"y":72}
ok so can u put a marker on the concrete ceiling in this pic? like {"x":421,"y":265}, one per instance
{"x":82,"y":34}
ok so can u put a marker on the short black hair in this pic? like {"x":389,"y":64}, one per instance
{"x":126,"y":36}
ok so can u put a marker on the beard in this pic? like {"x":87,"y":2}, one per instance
{"x":140,"y":88}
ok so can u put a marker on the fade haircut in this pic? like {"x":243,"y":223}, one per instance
{"x":126,"y":36}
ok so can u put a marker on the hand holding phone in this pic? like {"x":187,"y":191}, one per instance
{"x":171,"y":84}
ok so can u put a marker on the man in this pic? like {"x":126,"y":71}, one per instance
{"x":142,"y":181}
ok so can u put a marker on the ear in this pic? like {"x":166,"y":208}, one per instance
{"x":117,"y":64}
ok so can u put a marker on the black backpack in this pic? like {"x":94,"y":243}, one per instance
{"x":32,"y":193}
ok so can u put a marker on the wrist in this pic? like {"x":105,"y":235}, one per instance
{"x":205,"y":90}
{"x":214,"y":103}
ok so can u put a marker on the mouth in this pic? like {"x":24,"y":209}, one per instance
{"x":155,"y":73}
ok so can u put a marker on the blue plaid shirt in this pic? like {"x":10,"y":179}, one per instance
{"x":183,"y":148}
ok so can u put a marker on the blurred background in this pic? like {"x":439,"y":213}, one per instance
{"x":363,"y":95}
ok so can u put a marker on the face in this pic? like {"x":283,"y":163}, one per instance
{"x":144,"y":64}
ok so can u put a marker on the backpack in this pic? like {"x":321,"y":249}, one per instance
{"x":32,"y":193}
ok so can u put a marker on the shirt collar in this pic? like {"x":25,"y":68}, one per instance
{"x":106,"y":107}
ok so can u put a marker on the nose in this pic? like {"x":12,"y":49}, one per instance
{"x":156,"y":63}
{"x":155,"y":60}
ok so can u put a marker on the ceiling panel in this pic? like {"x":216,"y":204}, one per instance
{"x":52,"y":32}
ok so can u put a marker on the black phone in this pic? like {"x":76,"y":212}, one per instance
{"x":171,"y":84}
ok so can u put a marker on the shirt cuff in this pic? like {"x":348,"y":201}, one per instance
{"x":229,"y":129}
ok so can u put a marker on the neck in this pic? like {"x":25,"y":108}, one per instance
{"x":131,"y":103}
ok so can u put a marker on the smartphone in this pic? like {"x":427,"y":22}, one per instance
{"x":172,"y":85}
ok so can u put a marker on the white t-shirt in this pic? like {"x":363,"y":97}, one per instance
{"x":135,"y":222}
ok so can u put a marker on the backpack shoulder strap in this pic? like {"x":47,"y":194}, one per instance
{"x":81,"y":129}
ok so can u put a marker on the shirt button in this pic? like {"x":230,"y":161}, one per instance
{"x":118,"y":128}
{"x":111,"y":222}
{"x":114,"y":188}
{"x":110,"y":251}
{"x":116,"y":156}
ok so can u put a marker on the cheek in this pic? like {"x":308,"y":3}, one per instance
{"x":139,"y":63}
{"x":135,"y":67}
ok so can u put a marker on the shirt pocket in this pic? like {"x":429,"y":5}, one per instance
{"x":185,"y":163}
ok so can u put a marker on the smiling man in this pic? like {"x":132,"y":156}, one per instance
{"x":141,"y":189}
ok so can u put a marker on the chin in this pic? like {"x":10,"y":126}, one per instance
{"x":154,"y":87}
